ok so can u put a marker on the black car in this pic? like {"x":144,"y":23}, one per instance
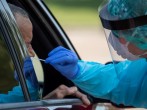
{"x":47,"y":34}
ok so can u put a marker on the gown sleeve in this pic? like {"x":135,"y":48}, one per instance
{"x":125,"y":83}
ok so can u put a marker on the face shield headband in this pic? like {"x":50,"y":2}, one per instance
{"x":114,"y":23}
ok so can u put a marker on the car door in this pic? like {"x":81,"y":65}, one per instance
{"x":17,"y":91}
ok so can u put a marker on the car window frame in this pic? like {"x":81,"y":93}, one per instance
{"x":10,"y":33}
{"x":42,"y":103}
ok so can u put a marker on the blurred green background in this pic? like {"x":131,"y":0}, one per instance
{"x":80,"y":21}
{"x":76,"y":12}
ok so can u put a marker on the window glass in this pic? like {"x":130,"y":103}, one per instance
{"x":31,"y":79}
{"x":7,"y":71}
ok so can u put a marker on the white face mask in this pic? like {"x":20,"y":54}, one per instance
{"x":122,"y":50}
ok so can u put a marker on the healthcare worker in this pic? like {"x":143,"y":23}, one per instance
{"x":125,"y":82}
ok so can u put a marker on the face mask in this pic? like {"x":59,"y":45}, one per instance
{"x":29,"y":73}
{"x":122,"y":50}
{"x":126,"y":45}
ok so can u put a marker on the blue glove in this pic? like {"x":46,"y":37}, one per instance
{"x":29,"y":73}
{"x":65,"y":61}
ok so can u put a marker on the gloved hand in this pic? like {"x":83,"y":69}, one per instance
{"x":64,"y":60}
{"x":29,"y":73}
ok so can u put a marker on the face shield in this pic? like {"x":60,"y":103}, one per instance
{"x":126,"y":35}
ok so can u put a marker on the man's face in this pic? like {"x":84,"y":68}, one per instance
{"x":26,"y":29}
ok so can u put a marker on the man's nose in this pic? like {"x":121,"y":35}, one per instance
{"x":31,"y":51}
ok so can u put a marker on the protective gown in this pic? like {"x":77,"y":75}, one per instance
{"x":126,"y":83}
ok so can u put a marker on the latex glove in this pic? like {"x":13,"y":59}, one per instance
{"x":29,"y":73}
{"x":64,"y":60}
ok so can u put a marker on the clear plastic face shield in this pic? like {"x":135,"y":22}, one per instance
{"x":126,"y":38}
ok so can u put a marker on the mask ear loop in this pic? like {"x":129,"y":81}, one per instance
{"x":142,"y":54}
{"x":38,"y":59}
{"x":135,"y":55}
{"x":126,"y":45}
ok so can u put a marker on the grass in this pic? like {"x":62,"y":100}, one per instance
{"x":75,"y":12}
